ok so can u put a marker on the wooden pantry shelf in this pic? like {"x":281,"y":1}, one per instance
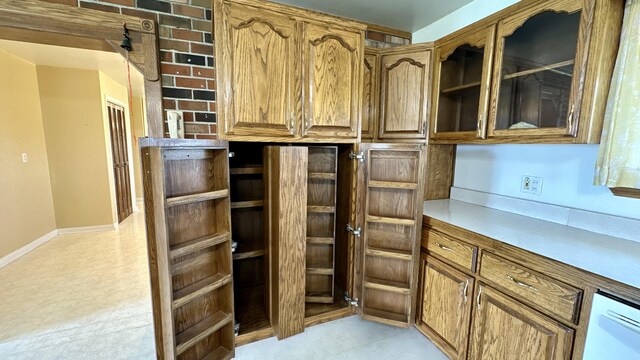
{"x":392,"y":185}
{"x":190,"y":199}
{"x":246,"y":170}
{"x":389,"y":253}
{"x":320,"y":270}
{"x":386,"y":317}
{"x":388,"y":220}
{"x":458,"y":88}
{"x":198,"y":244}
{"x":219,"y":354}
{"x":199,"y":288}
{"x":386,"y":285}
{"x":321,"y":209}
{"x":321,"y":176}
{"x":551,"y":68}
{"x":201,"y":330}
{"x":320,"y":240}
{"x":320,"y":299}
{"x":247,"y":204}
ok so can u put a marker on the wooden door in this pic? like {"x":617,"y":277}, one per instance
{"x":404,"y":93}
{"x":189,"y":244}
{"x":392,"y":219}
{"x":371,"y":87}
{"x":444,"y":306}
{"x":506,"y":329}
{"x":120,"y":153}
{"x":332,"y":81}
{"x":257,"y":83}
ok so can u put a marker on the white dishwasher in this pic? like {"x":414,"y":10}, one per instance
{"x":614,"y":329}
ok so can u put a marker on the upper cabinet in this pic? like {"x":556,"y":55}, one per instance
{"x":537,"y":72}
{"x":287,"y":74}
{"x":404,"y":92}
{"x":370,"y":91}
{"x":332,"y":81}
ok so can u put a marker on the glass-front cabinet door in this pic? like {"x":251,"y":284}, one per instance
{"x":538,"y":67}
{"x":461,"y":84}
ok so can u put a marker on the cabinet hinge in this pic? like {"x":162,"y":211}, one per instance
{"x":358,"y":156}
{"x":350,"y":301}
{"x":232,"y":154}
{"x":356,"y":232}
{"x":234,"y":246}
{"x":424,"y":127}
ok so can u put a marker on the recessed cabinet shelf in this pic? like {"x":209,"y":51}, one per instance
{"x":389,"y":253}
{"x":320,"y":270}
{"x":455,"y":89}
{"x":199,"y":288}
{"x":252,"y":250}
{"x":219,"y":354}
{"x":201,"y":330}
{"x":190,"y":199}
{"x":552,"y":68}
{"x":321,"y":209}
{"x":386,"y":285}
{"x":321,"y":240}
{"x":393,"y":185}
{"x":389,"y":220}
{"x":385,"y":317}
{"x":198,"y":244}
{"x":246,"y":170}
{"x":322,"y":176}
{"x":247,"y":204}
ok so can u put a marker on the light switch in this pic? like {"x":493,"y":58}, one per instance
{"x":25,"y":158}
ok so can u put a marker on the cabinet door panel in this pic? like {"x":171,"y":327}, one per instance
{"x":506,"y":329}
{"x":260,"y":74}
{"x":370,"y":94}
{"x":392,"y":194}
{"x":404,"y":94}
{"x":333,"y":76}
{"x":445,"y":302}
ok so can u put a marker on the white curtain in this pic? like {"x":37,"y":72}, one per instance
{"x":618,"y":163}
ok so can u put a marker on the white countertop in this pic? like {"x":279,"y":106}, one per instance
{"x":608,"y":256}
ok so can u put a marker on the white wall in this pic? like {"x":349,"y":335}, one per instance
{"x":567,"y":170}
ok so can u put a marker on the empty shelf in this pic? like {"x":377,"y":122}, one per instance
{"x":385,"y":317}
{"x":189,"y":199}
{"x":246,"y":204}
{"x":386,"y":285}
{"x":321,"y":209}
{"x":322,"y":176}
{"x":460,"y":87}
{"x":199,"y":288}
{"x":388,"y":220}
{"x":324,"y":299}
{"x":392,"y":185}
{"x":201,"y":330}
{"x":218,"y":354}
{"x":248,"y":254}
{"x":320,"y":240}
{"x":389,"y":253}
{"x":198,"y":244}
{"x":246,"y":170}
{"x":320,"y":270}
{"x":551,"y":68}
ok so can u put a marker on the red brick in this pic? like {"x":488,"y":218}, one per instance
{"x":209,"y":73}
{"x":166,"y":56}
{"x":171,"y":69}
{"x":189,"y":11}
{"x":213,"y":128}
{"x":168,"y":104}
{"x":189,"y":136}
{"x":188,"y":116}
{"x":141,"y":14}
{"x":207,"y":136}
{"x":201,"y":49}
{"x":192,"y":105}
{"x":130,"y":3}
{"x":100,"y":7}
{"x":64,"y":2}
{"x":196,"y":128}
{"x":166,"y":44}
{"x":190,"y":83}
{"x":211,"y":84}
{"x":186,"y":35}
{"x":212,"y":106}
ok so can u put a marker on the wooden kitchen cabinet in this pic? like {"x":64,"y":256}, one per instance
{"x":287,"y":74}
{"x":405,"y":74}
{"x":370,"y":94}
{"x":503,"y":328}
{"x":445,"y":304}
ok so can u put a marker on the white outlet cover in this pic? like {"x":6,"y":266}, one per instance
{"x":531,"y":185}
{"x":25,"y":158}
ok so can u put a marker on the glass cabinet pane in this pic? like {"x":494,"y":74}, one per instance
{"x":537,"y":72}
{"x":459,"y":93}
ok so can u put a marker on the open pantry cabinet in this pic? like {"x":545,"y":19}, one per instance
{"x":273,"y":238}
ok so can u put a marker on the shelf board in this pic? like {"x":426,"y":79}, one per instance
{"x":460,"y":87}
{"x":190,"y":199}
{"x":392,"y":185}
{"x":201,"y":330}
{"x":248,"y":254}
{"x":322,"y":176}
{"x":320,"y":240}
{"x":199,"y":288}
{"x":218,"y":354}
{"x":389,"y":253}
{"x":326,"y":299}
{"x":319,"y":270}
{"x":551,"y":68}
{"x":247,"y":204}
{"x":386,"y":285}
{"x":321,"y":209}
{"x":386,"y":317}
{"x":198,"y":244}
{"x":388,"y":220}
{"x":246,"y":170}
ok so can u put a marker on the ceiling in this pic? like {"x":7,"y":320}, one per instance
{"x":111,"y":64}
{"x":407,"y":15}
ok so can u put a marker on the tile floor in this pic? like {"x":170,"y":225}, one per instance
{"x":86,"y":296}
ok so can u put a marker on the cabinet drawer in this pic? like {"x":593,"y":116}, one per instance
{"x":450,"y":249}
{"x":541,"y":291}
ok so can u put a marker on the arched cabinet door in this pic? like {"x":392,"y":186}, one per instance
{"x":332,"y":76}
{"x":404,"y":93}
{"x":260,"y":72}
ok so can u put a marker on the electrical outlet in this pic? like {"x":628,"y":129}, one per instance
{"x":531,"y":185}
{"x":25,"y":158}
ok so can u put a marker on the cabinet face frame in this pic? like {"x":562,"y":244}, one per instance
{"x":371,"y":94}
{"x":315,"y":38}
{"x":484,"y":38}
{"x":416,"y":57}
{"x":233,"y":18}
{"x":507,"y":27}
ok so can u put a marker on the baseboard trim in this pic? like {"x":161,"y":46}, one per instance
{"x":6,"y":260}
{"x":86,"y":229}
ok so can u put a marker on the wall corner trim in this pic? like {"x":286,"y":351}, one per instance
{"x":6,"y":260}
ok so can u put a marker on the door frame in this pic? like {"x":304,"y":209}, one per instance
{"x":63,"y":25}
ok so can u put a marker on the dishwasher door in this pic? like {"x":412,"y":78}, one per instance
{"x":614,"y":329}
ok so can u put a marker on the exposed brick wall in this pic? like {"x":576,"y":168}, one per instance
{"x":186,"y":54}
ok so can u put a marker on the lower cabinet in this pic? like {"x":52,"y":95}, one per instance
{"x":506,"y":329}
{"x":446,"y":303}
